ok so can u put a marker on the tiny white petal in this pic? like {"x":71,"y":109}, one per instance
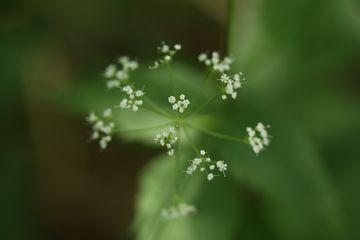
{"x":210,"y":176}
{"x":177,"y":46}
{"x":172,"y":99}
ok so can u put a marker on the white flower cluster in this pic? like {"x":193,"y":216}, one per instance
{"x":102,"y":128}
{"x":205,"y":164}
{"x":167,"y":53}
{"x":213,"y":61}
{"x":232,"y":84}
{"x":179,"y":105}
{"x":132,"y":100}
{"x":117,"y":73}
{"x":178,"y":211}
{"x":258,"y":137}
{"x":167,"y":139}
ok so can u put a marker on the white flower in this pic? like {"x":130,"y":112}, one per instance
{"x":231,"y":84}
{"x":179,"y":105}
{"x":167,"y":53}
{"x":95,"y":135}
{"x":165,"y":48}
{"x":104,"y":142}
{"x":202,"y":57}
{"x":127,"y":64}
{"x":178,"y":211}
{"x":122,"y":75}
{"x":191,"y":169}
{"x":215,"y":62}
{"x":117,"y":73}
{"x":258,"y":137}
{"x":204,"y":162}
{"x":110,"y":71}
{"x":197,"y":161}
{"x":107,"y":113}
{"x":171,"y":152}
{"x":172,"y":99}
{"x":221,"y":165}
{"x":177,"y":47}
{"x":210,"y":176}
{"x":132,"y":100}
{"x":101,"y":129}
{"x":92,"y":117}
{"x":114,"y":83}
{"x":263,"y":133}
{"x":167,"y":139}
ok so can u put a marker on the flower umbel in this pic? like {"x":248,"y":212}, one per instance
{"x":205,"y":164}
{"x":179,"y":105}
{"x":167,"y":54}
{"x":167,"y":139}
{"x":117,"y":73}
{"x":232,"y":84}
{"x":132,"y":100}
{"x":215,"y":63}
{"x":178,"y":211}
{"x":258,"y":137}
{"x":102,"y":128}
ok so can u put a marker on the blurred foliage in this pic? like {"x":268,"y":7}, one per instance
{"x":301,"y":59}
{"x":15,"y":150}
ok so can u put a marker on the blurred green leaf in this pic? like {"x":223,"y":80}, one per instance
{"x":299,"y":59}
{"x":216,"y":202}
{"x":92,"y":96}
{"x":295,"y":192}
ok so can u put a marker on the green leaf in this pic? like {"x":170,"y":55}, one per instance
{"x":216,"y":202}
{"x":92,"y":96}
{"x":289,"y":180}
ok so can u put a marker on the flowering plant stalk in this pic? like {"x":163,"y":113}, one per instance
{"x":177,"y":127}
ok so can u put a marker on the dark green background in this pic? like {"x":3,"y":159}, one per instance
{"x":301,"y":59}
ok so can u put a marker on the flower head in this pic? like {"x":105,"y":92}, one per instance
{"x":258,"y":137}
{"x":210,"y":176}
{"x":178,"y":211}
{"x":167,"y":139}
{"x":207,"y":165}
{"x":215,"y":62}
{"x":116,"y":73}
{"x":231,"y":84}
{"x":167,"y":53}
{"x":102,"y":127}
{"x":179,"y":105}
{"x":132,"y":99}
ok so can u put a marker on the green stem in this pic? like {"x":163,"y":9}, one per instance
{"x":145,"y":128}
{"x":178,"y":170}
{"x":202,"y":86}
{"x":188,"y":137}
{"x":203,"y":105}
{"x":208,"y":77}
{"x":172,"y":79}
{"x":155,"y":108}
{"x":156,"y":112}
{"x":218,"y":135}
